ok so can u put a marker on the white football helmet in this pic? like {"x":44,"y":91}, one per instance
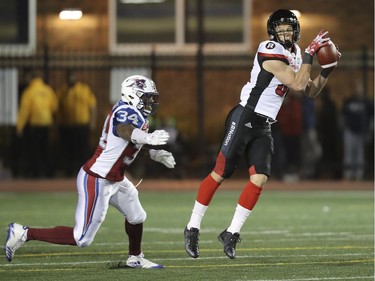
{"x":140,"y":91}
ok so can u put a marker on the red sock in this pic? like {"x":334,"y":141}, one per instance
{"x":61,"y":235}
{"x":134,"y":232}
{"x":249,"y":196}
{"x":207,"y":190}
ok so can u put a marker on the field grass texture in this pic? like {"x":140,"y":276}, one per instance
{"x":290,"y":236}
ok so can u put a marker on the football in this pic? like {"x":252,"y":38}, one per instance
{"x":328,"y":55}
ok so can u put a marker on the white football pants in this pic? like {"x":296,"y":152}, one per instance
{"x":94,"y":197}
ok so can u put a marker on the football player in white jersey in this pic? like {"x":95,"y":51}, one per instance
{"x":101,"y":181}
{"x":279,"y":66}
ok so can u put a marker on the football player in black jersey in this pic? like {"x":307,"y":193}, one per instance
{"x":279,"y":66}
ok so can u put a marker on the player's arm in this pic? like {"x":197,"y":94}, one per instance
{"x":125,"y":131}
{"x":158,"y":137}
{"x":126,"y":124}
{"x":314,"y":87}
{"x":297,"y":82}
{"x":128,"y":132}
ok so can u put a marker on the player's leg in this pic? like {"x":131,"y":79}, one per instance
{"x":259,"y":156}
{"x":127,"y":202}
{"x":93,"y":197}
{"x":232,"y":147}
{"x":62,"y":235}
{"x":19,"y":234}
{"x":249,"y":197}
{"x":93,"y":201}
{"x":91,"y":209}
{"x":259,"y":150}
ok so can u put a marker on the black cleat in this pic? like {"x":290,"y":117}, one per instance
{"x":229,"y":242}
{"x":191,"y":241}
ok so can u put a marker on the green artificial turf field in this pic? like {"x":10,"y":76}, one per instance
{"x":291,"y":235}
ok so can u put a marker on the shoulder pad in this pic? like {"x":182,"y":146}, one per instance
{"x":125,"y":113}
{"x":271,"y":47}
{"x":271,"y":50}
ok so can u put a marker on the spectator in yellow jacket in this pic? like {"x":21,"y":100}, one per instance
{"x":37,"y":110}
{"x":77,"y":117}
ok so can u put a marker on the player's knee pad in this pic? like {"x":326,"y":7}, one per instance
{"x":137,"y":218}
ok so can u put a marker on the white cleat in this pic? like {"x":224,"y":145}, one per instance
{"x":140,"y":262}
{"x":17,"y":235}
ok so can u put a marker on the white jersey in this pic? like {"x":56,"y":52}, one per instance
{"x":113,"y":153}
{"x":265,"y":93}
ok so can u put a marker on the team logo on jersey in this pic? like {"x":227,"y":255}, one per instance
{"x":294,"y":62}
{"x":270,"y":45}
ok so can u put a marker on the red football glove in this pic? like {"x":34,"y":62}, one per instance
{"x":317,"y":43}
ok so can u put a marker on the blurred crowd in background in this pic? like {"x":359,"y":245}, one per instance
{"x":199,"y":55}
{"x":313,"y":139}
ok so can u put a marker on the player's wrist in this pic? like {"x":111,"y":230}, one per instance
{"x":152,"y":153}
{"x":138,"y":136}
{"x":307,"y":58}
{"x":325,"y":72}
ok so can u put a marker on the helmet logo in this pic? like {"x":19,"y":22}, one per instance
{"x":140,"y":92}
{"x":140,"y":83}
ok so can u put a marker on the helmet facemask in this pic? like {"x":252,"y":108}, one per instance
{"x":283,"y":17}
{"x":286,"y":30}
{"x":148,"y":102}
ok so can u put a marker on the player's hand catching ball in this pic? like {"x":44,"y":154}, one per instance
{"x":319,"y":41}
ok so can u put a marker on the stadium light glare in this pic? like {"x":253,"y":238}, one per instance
{"x":141,"y":1}
{"x":70,"y":14}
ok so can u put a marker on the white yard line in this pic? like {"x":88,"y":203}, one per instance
{"x":312,"y":279}
{"x":174,"y":259}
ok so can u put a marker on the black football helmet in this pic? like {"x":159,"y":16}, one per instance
{"x":283,"y":16}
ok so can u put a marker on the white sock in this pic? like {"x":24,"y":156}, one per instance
{"x":239,"y":218}
{"x":197,"y":215}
